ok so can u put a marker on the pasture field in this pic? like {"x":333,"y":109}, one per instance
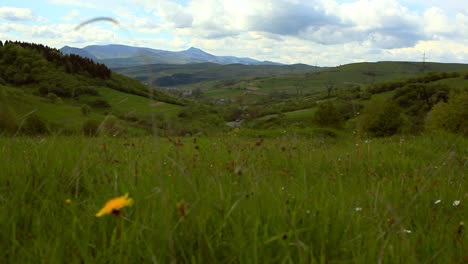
{"x":234,"y":199}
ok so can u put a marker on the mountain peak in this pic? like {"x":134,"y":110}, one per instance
{"x":194,"y":49}
{"x":199,"y":54}
{"x":117,"y":54}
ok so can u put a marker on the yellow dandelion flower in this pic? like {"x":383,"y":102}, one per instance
{"x":114,"y":205}
{"x":68,"y":200}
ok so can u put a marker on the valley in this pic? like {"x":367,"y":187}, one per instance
{"x":208,"y":162}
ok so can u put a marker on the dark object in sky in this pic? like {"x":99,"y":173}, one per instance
{"x":96,"y":20}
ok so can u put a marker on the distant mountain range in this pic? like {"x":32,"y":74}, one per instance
{"x":116,"y":56}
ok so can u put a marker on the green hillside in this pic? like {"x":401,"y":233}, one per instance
{"x":415,"y":96}
{"x":60,"y":93}
{"x":67,"y":93}
{"x":99,"y":168}
{"x":169,"y":75}
{"x":310,"y":83}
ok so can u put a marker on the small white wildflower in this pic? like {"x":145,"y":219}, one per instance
{"x":438,"y":201}
{"x":358,"y":209}
{"x":407,"y":231}
{"x":456,"y":203}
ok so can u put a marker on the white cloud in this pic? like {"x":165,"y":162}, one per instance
{"x":386,"y":23}
{"x":326,"y":32}
{"x":58,"y":35}
{"x":436,"y":22}
{"x":174,"y":14}
{"x":133,"y":22}
{"x":16,"y":14}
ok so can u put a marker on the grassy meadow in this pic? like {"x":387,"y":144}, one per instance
{"x":234,"y":199}
{"x":362,"y":163}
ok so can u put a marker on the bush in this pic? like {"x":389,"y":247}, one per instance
{"x":325,"y":133}
{"x":327,"y":115}
{"x":8,"y":121}
{"x":66,"y":92}
{"x":132,"y":117}
{"x":451,"y":116}
{"x":53,"y":98}
{"x":91,"y":128}
{"x":382,"y":119}
{"x":347,"y":109}
{"x":100,"y":103}
{"x":111,"y":126}
{"x":34,"y":125}
{"x":85,"y":109}
{"x":43,"y":90}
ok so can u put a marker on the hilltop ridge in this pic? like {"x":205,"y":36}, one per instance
{"x":117,"y":55}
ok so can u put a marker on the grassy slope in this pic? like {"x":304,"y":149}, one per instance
{"x":127,"y":103}
{"x":277,"y":200}
{"x":58,"y":115}
{"x":304,"y":116}
{"x":67,"y":115}
{"x":211,"y":71}
{"x":342,"y":76}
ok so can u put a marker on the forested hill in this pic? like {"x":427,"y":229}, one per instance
{"x":24,"y":63}
{"x":28,"y":64}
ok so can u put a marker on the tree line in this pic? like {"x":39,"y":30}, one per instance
{"x":73,"y":64}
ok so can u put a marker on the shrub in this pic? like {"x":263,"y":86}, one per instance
{"x":53,"y":98}
{"x":325,"y":133}
{"x":85,"y":109}
{"x":382,"y":119}
{"x":100,"y":103}
{"x":347,"y":108}
{"x":8,"y":121}
{"x":90,"y":128}
{"x":34,"y":125}
{"x":43,"y":90}
{"x":111,"y":126}
{"x":451,"y":116}
{"x":132,"y":117}
{"x":327,"y":115}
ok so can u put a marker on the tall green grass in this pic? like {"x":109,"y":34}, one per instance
{"x":247,"y":200}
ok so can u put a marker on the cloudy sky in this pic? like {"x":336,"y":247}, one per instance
{"x":317,"y":32}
